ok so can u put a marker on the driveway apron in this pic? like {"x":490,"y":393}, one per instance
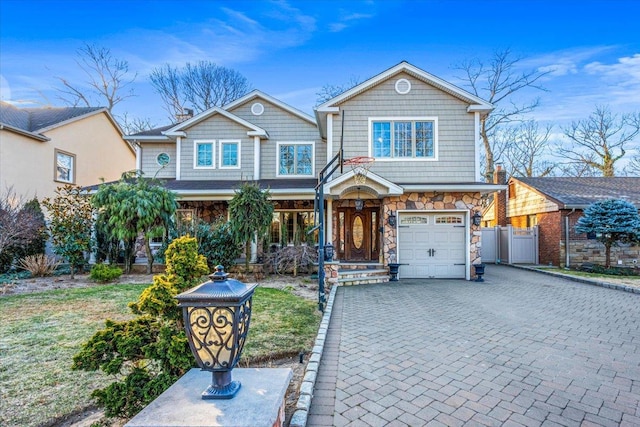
{"x":521,"y":348}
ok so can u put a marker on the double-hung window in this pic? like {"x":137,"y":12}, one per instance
{"x":229,"y":154}
{"x":203,"y":154}
{"x":403,"y":138}
{"x":65,"y":167}
{"x":295,"y":159}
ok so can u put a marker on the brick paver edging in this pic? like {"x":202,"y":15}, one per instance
{"x":594,"y":282}
{"x":299,"y":418}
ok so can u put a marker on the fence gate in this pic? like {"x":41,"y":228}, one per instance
{"x":510,"y":245}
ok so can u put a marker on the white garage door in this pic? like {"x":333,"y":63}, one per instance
{"x":432,"y":245}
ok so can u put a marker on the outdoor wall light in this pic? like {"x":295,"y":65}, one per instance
{"x":392,"y":219}
{"x":216,"y":320}
{"x":328,"y":252}
{"x":476,"y":218}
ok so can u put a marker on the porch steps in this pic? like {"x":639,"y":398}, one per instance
{"x":362,"y":274}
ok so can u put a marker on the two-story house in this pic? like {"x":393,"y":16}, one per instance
{"x":44,"y":148}
{"x":417,"y":133}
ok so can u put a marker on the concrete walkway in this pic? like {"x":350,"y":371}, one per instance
{"x":522,"y":348}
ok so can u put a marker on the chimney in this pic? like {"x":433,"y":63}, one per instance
{"x":186,"y":114}
{"x":500,"y":197}
{"x":499,"y":175}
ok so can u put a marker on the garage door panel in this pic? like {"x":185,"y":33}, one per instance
{"x":431,"y":250}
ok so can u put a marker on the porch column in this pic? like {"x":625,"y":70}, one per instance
{"x":329,"y":224}
{"x":178,"y":156}
{"x":256,"y":158}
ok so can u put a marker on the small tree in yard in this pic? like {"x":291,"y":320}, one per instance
{"x":71,"y":218}
{"x":22,"y":229}
{"x":251,"y":214}
{"x":613,"y":222}
{"x":132,"y":206}
{"x":150,"y":352}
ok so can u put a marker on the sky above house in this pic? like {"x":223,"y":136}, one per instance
{"x":291,"y":49}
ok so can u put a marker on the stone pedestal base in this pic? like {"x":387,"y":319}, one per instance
{"x":259,"y":402}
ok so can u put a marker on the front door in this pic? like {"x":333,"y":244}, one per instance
{"x":358,"y":234}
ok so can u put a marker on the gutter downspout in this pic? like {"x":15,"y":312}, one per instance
{"x":567,"y":261}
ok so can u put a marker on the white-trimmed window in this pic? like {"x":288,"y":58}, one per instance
{"x":296,"y":158}
{"x":404,"y":138}
{"x":65,"y":167}
{"x":229,"y":154}
{"x":203,"y":154}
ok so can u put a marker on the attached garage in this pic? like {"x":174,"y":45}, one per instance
{"x":432,"y":245}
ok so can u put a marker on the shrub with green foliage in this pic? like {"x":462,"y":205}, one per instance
{"x":150,"y":352}
{"x":104,"y":273}
{"x":215,"y":241}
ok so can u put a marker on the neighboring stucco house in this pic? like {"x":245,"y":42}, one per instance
{"x":43,"y":148}
{"x":554,"y":204}
{"x":421,"y":132}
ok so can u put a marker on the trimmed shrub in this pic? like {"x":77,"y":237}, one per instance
{"x":104,"y":273}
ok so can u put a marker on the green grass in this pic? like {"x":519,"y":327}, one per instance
{"x":40,"y":333}
{"x":589,"y":275}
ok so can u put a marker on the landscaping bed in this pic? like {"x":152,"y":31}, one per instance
{"x":46,"y":320}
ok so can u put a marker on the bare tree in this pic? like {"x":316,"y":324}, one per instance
{"x":132,"y":125}
{"x":329,"y":91}
{"x":107,"y":83}
{"x":633,"y":168}
{"x":577,"y":170}
{"x":526,"y":152}
{"x":599,"y":141}
{"x":198,"y":86}
{"x":496,"y":82}
{"x":18,"y":225}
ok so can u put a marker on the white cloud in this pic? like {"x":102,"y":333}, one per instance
{"x":348,"y":18}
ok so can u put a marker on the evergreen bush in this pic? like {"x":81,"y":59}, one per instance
{"x":150,"y":352}
{"x":104,"y":273}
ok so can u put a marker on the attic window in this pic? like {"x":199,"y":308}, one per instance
{"x":403,"y":86}
{"x":257,"y":109}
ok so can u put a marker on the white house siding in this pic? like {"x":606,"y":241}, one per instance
{"x":281,"y":125}
{"x":150,"y":165}
{"x":217,"y":127}
{"x":456,"y":137}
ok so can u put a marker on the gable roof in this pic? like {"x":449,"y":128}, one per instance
{"x":34,"y":122}
{"x":178,"y":130}
{"x":256,"y":94}
{"x":476,"y":104}
{"x":580,"y":192}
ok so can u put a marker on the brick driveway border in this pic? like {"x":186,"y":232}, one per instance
{"x":520,"y":349}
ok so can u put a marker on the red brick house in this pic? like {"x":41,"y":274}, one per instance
{"x":554,"y":204}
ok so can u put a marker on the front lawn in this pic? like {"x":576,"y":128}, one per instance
{"x":40,"y":333}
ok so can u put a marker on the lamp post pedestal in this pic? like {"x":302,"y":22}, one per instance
{"x":259,"y":403}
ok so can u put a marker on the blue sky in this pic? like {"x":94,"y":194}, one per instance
{"x":290,"y":49}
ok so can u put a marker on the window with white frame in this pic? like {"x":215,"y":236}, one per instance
{"x":295,"y":158}
{"x":229,"y":154}
{"x":65,"y":167}
{"x":203,"y":154}
{"x":411,"y":138}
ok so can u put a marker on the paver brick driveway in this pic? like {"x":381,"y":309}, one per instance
{"x":522,"y":348}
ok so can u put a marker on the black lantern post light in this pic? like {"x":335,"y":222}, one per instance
{"x":216,"y":319}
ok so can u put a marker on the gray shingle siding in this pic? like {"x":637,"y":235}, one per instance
{"x":282,"y":126}
{"x":456,"y":139}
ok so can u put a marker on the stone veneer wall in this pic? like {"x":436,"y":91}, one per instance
{"x":209,"y":211}
{"x":430,"y":202}
{"x":592,"y":251}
